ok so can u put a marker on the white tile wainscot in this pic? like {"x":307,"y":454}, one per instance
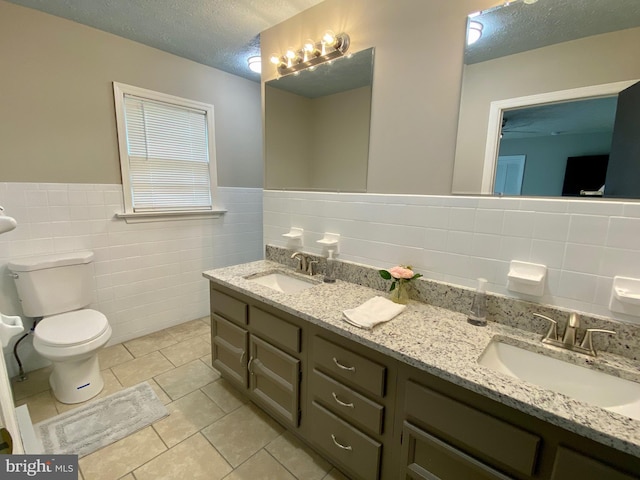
{"x":148,"y":276}
{"x":584,"y":243}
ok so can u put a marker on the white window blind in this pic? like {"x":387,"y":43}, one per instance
{"x":168,"y":156}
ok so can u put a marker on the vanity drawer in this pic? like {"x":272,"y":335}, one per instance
{"x":570,"y":464}
{"x":471,"y":430}
{"x":274,"y":329}
{"x":228,"y":307}
{"x":426,"y":457}
{"x":345,"y":444}
{"x":346,"y":402}
{"x":347,"y":365}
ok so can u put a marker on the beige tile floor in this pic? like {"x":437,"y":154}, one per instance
{"x":211,"y":432}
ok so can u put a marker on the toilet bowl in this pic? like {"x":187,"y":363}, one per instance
{"x":57,"y":288}
{"x":70,"y":341}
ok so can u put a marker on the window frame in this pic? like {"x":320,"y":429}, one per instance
{"x":131,"y":216}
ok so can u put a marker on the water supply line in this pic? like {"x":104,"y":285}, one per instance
{"x":21,"y":375}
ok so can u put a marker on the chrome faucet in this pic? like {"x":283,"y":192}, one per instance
{"x":304,"y":263}
{"x":570,"y":338}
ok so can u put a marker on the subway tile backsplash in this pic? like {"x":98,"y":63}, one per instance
{"x":584,"y":243}
{"x":148,"y":276}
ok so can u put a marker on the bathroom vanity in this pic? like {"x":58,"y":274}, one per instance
{"x":407,"y":399}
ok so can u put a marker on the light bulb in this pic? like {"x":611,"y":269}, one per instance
{"x":329,"y":38}
{"x":309,"y":46}
{"x":291,"y":54}
{"x":275,"y":59}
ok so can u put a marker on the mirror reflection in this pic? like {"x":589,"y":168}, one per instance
{"x":550,"y":145}
{"x":317,"y":127}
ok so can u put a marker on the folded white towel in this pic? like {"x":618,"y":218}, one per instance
{"x":372,"y":312}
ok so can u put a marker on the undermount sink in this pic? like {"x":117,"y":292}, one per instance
{"x":592,"y":386}
{"x":282,"y":282}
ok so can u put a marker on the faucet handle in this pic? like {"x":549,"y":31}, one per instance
{"x":552,"y":333}
{"x":587,"y":343}
{"x":310,"y":265}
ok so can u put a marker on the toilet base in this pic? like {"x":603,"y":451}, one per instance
{"x":76,"y":381}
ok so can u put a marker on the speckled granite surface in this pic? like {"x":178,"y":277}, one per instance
{"x":441,"y":342}
{"x":508,"y":311}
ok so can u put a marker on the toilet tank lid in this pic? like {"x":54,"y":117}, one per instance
{"x":29,"y":264}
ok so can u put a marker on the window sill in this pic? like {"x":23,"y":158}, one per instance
{"x":145,"y":217}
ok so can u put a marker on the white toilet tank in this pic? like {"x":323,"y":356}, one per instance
{"x":52,"y":284}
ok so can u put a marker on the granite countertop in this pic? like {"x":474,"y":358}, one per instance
{"x":441,"y":342}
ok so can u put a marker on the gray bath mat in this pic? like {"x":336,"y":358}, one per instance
{"x":101,"y":422}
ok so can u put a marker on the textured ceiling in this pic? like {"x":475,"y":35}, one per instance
{"x":220,"y":33}
{"x":591,"y":116}
{"x":518,"y":27}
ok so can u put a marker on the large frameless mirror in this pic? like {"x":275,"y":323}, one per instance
{"x":541,"y":109}
{"x":317,"y":126}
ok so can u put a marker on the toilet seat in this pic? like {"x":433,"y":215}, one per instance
{"x":71,"y":328}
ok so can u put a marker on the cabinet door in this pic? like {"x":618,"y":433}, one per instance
{"x":275,"y":379}
{"x":229,"y":349}
{"x":426,"y":457}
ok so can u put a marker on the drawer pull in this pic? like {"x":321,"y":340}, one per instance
{"x":341,"y":403}
{"x":249,"y":365}
{"x":339,"y":445}
{"x":339,"y":365}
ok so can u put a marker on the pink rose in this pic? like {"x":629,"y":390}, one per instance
{"x":401,"y":272}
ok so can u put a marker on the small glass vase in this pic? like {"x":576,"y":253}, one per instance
{"x":400,"y":294}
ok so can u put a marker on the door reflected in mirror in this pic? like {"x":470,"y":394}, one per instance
{"x":317,"y":127}
{"x":518,"y":56}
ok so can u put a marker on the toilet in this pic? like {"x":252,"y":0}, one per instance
{"x":57,"y":288}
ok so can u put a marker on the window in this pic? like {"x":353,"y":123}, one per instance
{"x":167,"y":155}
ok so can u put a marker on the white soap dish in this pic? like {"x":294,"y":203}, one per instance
{"x":330,"y":240}
{"x":625,"y":296}
{"x":294,"y":236}
{"x":527,"y":278}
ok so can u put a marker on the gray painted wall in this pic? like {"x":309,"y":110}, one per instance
{"x":416,"y":81}
{"x":547,"y":158}
{"x":57,"y":120}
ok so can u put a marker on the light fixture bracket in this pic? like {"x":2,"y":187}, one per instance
{"x":331,"y":52}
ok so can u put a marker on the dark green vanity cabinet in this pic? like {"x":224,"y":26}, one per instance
{"x":350,"y":404}
{"x":259,"y":352}
{"x":377,"y":418}
{"x":447,"y":432}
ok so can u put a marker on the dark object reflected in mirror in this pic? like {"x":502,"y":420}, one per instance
{"x":551,"y":54}
{"x":317,"y":127}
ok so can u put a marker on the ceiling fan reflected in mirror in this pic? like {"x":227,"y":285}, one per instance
{"x":512,"y":128}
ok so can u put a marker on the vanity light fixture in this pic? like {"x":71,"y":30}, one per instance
{"x":474,"y":32}
{"x":312,"y":53}
{"x":255,"y":64}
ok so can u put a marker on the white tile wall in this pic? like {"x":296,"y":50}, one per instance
{"x":148,"y":276}
{"x":457,"y":239}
